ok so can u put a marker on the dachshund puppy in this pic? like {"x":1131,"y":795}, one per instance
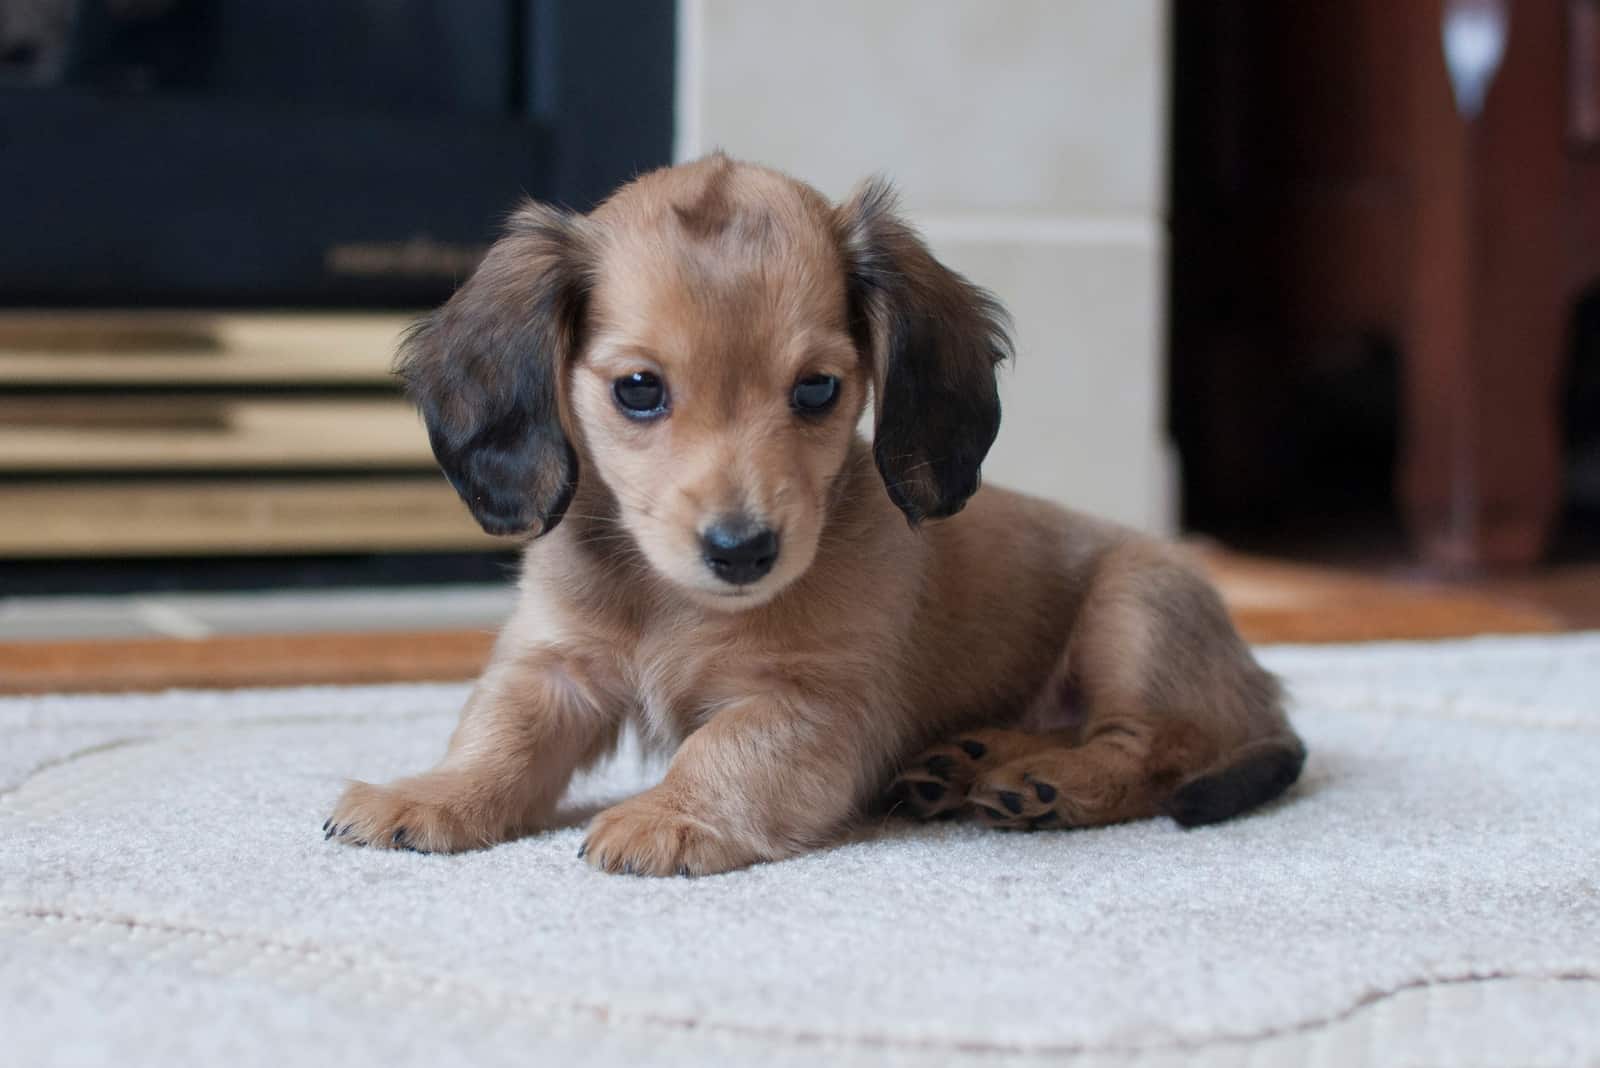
{"x":666,"y":394}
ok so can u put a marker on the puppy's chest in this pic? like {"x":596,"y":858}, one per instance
{"x":678,"y":686}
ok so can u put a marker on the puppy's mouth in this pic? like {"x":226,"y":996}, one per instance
{"x":752,"y":591}
{"x":715,"y":591}
{"x":745,"y":595}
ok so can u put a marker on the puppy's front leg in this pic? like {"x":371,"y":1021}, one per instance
{"x":763,"y":779}
{"x":533,"y":719}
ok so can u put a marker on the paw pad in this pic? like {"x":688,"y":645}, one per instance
{"x":934,"y":785}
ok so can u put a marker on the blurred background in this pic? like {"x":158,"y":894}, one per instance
{"x":1316,"y":282}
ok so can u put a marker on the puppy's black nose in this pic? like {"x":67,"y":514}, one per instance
{"x":739,"y":550}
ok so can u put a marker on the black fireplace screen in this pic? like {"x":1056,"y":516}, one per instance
{"x":306,"y":152}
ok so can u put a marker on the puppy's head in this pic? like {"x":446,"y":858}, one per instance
{"x":703,"y":345}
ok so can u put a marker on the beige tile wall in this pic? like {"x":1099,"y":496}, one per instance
{"x":1027,"y":138}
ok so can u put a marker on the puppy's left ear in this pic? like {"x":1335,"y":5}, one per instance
{"x":934,"y":339}
{"x":485,"y":370}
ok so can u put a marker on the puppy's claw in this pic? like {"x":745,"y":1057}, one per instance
{"x":403,"y":815}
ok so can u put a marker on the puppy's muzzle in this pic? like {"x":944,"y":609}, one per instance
{"x":739,"y":550}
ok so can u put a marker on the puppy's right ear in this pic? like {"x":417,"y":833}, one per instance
{"x":485,"y":370}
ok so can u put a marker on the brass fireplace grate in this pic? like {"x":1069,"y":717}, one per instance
{"x":155,"y":433}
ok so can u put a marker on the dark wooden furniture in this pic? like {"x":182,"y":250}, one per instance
{"x":1331,"y":197}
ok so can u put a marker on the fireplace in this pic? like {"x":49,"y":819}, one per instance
{"x":219,"y":215}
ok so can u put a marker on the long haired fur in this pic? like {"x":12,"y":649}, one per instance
{"x":665,"y":395}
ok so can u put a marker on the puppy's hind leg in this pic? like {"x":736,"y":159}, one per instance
{"x":1014,"y":779}
{"x":1179,"y":716}
{"x":530,"y":723}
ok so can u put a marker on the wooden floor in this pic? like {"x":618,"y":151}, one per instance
{"x":1271,"y":602}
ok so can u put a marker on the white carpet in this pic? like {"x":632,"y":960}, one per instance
{"x":1429,"y":894}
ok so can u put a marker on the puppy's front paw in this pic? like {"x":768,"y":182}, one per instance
{"x":403,"y":815}
{"x":647,"y":836}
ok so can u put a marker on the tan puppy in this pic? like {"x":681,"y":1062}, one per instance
{"x":666,"y":392}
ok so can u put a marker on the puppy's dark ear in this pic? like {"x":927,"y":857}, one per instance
{"x":485,"y":370}
{"x":935,"y":340}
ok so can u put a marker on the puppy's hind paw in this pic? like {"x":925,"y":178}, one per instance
{"x":1011,"y":798}
{"x":935,"y":784}
{"x":1062,"y":787}
{"x":927,"y":792}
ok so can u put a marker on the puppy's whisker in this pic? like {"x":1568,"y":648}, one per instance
{"x":643,"y":507}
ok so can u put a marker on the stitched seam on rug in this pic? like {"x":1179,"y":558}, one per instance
{"x":190,"y":727}
{"x":417,"y":985}
{"x":219,"y":723}
{"x":75,"y":755}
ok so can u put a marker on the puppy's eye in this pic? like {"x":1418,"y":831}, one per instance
{"x":640,"y":394}
{"x":815,"y":393}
